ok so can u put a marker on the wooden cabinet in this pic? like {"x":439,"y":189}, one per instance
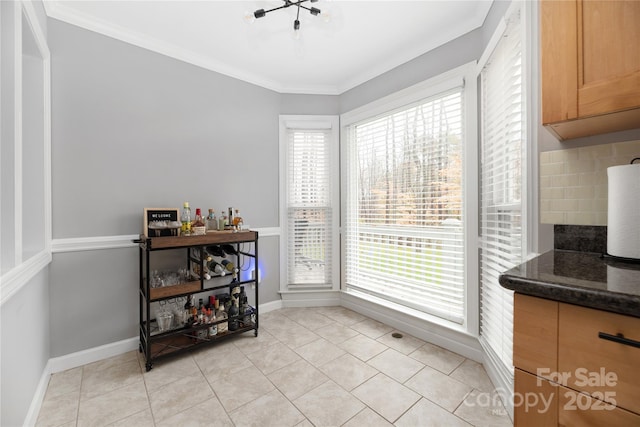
{"x":583,"y":362}
{"x":590,"y":65}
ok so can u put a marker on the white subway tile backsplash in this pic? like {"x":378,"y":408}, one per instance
{"x":573,"y":182}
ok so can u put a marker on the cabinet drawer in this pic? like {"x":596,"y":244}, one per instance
{"x":578,"y":409}
{"x":598,"y":366}
{"x":535,"y":401}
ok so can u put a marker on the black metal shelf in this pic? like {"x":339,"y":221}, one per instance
{"x":155,"y":344}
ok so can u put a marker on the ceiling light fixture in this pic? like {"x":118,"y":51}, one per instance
{"x":260,"y":13}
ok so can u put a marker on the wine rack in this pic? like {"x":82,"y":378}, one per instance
{"x":186,"y":337}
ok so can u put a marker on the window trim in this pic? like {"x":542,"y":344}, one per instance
{"x":459,"y":76}
{"x":309,"y":122}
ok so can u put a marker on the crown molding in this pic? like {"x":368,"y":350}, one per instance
{"x":56,"y":10}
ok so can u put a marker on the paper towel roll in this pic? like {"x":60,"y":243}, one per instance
{"x":623,"y":227}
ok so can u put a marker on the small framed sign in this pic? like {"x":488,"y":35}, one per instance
{"x":159,"y":222}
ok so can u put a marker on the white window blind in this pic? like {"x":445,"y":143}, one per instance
{"x":502,"y":148}
{"x":403,"y":217}
{"x":309,"y":209}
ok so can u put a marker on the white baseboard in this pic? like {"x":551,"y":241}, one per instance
{"x":80,"y":358}
{"x":310,"y":299}
{"x":38,"y":397}
{"x":270,"y":306}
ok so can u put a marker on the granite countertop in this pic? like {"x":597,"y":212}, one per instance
{"x":580,"y":278}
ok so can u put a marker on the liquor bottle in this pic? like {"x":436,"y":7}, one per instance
{"x":221,"y":220}
{"x":217,"y":268}
{"x":237,"y":220}
{"x":185,"y":220}
{"x":244,"y":306}
{"x":213,"y":329}
{"x":234,"y":311}
{"x":221,"y":315}
{"x":215,"y":250}
{"x":212,"y":221}
{"x":197,"y":227}
{"x":230,"y":219}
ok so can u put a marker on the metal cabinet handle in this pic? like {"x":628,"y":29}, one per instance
{"x":619,"y":338}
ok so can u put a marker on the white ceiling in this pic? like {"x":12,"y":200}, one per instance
{"x":362,"y":40}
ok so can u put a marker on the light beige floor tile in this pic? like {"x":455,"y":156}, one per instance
{"x":141,"y":419}
{"x":305,"y":423}
{"x":295,"y":336}
{"x":328,"y":405}
{"x":368,"y":418}
{"x":336,"y":332}
{"x":97,"y":380}
{"x":308,"y":318}
{"x":427,"y":414}
{"x":320,"y":352}
{"x":484,"y":409}
{"x":348,"y":371}
{"x":386,"y":396}
{"x":362,"y":347}
{"x":219,"y":360}
{"x":372,"y":328}
{"x":179,"y":395}
{"x":249,"y":343}
{"x":275,"y":321}
{"x":60,"y":409}
{"x":169,"y":370}
{"x":273,"y":358}
{"x":439,"y":388}
{"x":437,"y":357}
{"x":405,"y":345}
{"x":209,"y":413}
{"x":111,"y":361}
{"x":297,"y":379}
{"x":237,"y":389}
{"x":342,"y":315}
{"x":113,"y":406}
{"x":395,"y":365}
{"x":473,"y":373}
{"x":65,"y":382}
{"x":270,"y":410}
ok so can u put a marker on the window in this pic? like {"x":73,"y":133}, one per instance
{"x":404,"y":233}
{"x":502,"y":160}
{"x":310,"y":209}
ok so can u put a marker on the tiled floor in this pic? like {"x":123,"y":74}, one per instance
{"x":325,"y":366}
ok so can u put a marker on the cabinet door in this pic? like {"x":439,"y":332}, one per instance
{"x":559,"y":60}
{"x":608,"y":56}
{"x":590,"y":65}
{"x":535,"y":335}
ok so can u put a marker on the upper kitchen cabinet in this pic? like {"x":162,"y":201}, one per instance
{"x":590,"y":66}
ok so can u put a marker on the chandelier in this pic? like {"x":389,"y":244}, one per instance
{"x":260,"y":13}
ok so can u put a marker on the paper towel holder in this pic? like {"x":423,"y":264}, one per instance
{"x":607,"y":256}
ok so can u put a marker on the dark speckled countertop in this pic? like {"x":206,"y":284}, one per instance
{"x":580,"y":278}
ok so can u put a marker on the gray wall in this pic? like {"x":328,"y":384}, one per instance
{"x":24,"y":318}
{"x":134,"y":129}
